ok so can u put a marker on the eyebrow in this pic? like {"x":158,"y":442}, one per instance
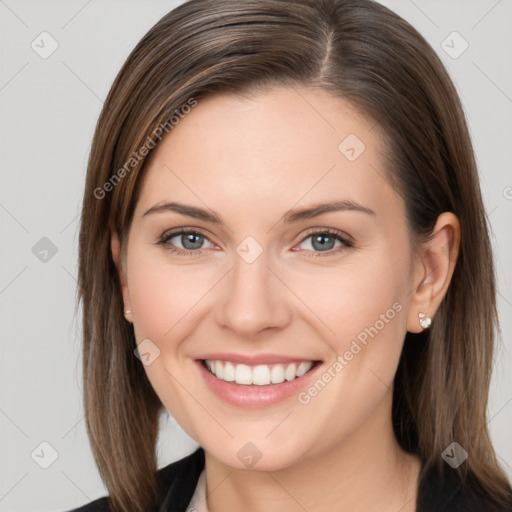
{"x":289,"y":217}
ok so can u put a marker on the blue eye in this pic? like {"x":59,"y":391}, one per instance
{"x":325,"y":242}
{"x":190,"y":242}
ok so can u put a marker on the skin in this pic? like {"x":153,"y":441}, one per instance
{"x":251,"y":160}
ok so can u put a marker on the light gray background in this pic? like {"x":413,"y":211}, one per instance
{"x":49,"y":108}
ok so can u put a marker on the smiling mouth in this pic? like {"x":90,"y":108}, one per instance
{"x":258,"y":375}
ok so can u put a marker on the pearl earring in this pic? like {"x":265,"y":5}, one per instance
{"x":425,"y":320}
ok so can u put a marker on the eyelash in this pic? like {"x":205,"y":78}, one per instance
{"x":345,"y":242}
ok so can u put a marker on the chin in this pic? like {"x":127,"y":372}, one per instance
{"x":255,"y":456}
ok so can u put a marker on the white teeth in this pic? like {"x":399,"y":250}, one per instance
{"x":302,"y":369}
{"x":229,"y":372}
{"x":260,"y":375}
{"x":277,"y":374}
{"x":290,"y":372}
{"x":219,"y":370}
{"x":243,"y":374}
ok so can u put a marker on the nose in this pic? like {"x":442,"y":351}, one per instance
{"x":254,"y":299}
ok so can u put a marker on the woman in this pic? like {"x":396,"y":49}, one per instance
{"x":283,"y":244}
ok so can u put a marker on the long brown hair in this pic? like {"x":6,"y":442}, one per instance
{"x":366,"y":54}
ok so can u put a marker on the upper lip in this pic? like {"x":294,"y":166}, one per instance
{"x":255,"y":359}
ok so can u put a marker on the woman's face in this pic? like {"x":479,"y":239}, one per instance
{"x":266,"y":284}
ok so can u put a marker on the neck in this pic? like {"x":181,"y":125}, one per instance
{"x":367,"y":471}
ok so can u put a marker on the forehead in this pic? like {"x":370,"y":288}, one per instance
{"x":273,"y":148}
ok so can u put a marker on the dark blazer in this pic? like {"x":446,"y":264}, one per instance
{"x":177,"y":483}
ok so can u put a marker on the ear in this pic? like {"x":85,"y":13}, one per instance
{"x":433,"y":269}
{"x":117,"y":256}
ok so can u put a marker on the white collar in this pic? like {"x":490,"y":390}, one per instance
{"x":198,"y":501}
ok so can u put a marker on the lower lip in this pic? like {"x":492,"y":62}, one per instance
{"x":254,"y":396}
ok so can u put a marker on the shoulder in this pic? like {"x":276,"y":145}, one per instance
{"x":176,"y":484}
{"x":448,"y":493}
{"x":99,"y":505}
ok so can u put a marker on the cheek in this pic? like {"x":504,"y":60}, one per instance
{"x":352,"y":302}
{"x":361,"y":310}
{"x":162,"y":294}
{"x":354,"y":298}
{"x":153,"y":306}
{"x":165,"y":299}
